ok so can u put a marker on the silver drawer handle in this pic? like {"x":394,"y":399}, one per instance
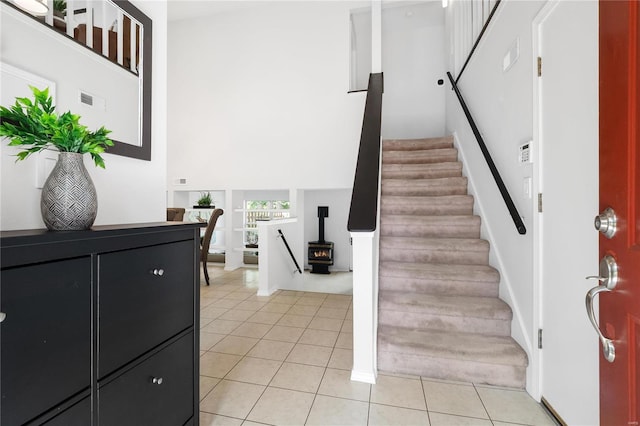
{"x":158,"y":272}
{"x":3,"y":316}
{"x":156,"y":380}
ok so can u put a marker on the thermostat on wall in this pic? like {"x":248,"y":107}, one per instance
{"x":524,"y":153}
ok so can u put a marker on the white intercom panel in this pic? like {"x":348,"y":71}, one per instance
{"x":524,"y":153}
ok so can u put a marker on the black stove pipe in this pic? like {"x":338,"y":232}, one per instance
{"x":323,"y":211}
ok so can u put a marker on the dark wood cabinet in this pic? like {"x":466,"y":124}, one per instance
{"x":91,"y":318}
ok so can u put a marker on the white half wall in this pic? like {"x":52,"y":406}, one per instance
{"x":129,"y":190}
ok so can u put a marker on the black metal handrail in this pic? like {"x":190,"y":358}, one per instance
{"x":513,"y":211}
{"x":473,"y":49}
{"x":284,"y":240}
{"x":363,"y":213}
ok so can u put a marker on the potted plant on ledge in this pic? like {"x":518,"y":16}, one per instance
{"x":69,"y":200}
{"x":205,"y":201}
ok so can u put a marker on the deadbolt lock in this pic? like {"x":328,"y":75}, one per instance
{"x":606,"y":222}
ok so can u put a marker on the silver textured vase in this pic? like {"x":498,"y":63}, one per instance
{"x":69,"y":201}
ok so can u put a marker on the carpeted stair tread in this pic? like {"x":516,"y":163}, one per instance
{"x":421,"y":171}
{"x":440,"y":205}
{"x":480,"y":307}
{"x":436,"y":271}
{"x":460,"y":226}
{"x":466,"y":357}
{"x":417,"y":144}
{"x":425,"y":187}
{"x":472,"y":251}
{"x":469,"y":346}
{"x":420,"y":156}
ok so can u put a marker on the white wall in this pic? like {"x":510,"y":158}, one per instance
{"x":413,"y":59}
{"x":502,"y":103}
{"x":129,"y":191}
{"x":258,"y":98}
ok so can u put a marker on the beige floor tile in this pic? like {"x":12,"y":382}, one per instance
{"x":319,"y":337}
{"x":221,"y":326}
{"x":336,"y":313}
{"x":310,"y":355}
{"x":212,"y":312}
{"x":208,"y":340}
{"x":225,"y":303}
{"x":204,"y":322}
{"x":285,"y":334}
{"x":303,"y":310}
{"x":399,"y":392}
{"x":300,"y":377}
{"x":208,"y":419}
{"x":265,"y":317}
{"x":233,"y":399}
{"x":236,"y":314}
{"x":453,"y":399}
{"x":338,"y":383}
{"x":251,"y":305}
{"x":282,"y":407}
{"x":310,"y":301}
{"x":340,"y":297}
{"x":380,"y":415}
{"x":290,"y":320}
{"x":279,"y":308}
{"x":513,"y":406}
{"x":332,"y":303}
{"x":235,"y":345}
{"x":214,"y":364}
{"x":347,"y":326}
{"x":250,"y":423}
{"x":237,"y":295}
{"x":345,"y":341}
{"x":206,"y":384}
{"x":254,"y":370}
{"x":327,"y":410}
{"x":439,"y":419}
{"x":206,"y":301}
{"x":271,"y":349}
{"x":329,"y":324}
{"x":251,"y":329}
{"x":341,"y":359}
{"x":285,"y":299}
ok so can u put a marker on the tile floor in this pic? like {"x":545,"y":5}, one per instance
{"x":286,"y":360}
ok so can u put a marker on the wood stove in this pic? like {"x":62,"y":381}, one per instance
{"x":320,"y":253}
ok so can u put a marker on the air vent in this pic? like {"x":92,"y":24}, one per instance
{"x":86,"y":99}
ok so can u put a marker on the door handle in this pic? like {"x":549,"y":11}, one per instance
{"x":608,"y":279}
{"x":608,"y":349}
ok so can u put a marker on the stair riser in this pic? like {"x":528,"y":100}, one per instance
{"x":445,"y":288}
{"x":417,"y":144}
{"x":424,"y":174}
{"x":451,"y":369}
{"x":471,"y":230}
{"x":460,"y":324}
{"x":434,"y":256}
{"x":417,"y":157}
{"x":424,"y":190}
{"x":419,"y":209}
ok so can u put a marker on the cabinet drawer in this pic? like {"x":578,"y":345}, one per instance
{"x":45,"y":339}
{"x":135,"y":398}
{"x":77,"y":415}
{"x":146,"y":296}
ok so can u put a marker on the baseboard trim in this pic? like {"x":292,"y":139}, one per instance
{"x":552,"y":412}
{"x":364,"y":376}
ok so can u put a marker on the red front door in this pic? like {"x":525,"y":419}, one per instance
{"x":620,"y":190}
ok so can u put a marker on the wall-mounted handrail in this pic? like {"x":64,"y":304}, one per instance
{"x":475,"y":45}
{"x":284,"y":240}
{"x":513,"y":211}
{"x":363,"y":213}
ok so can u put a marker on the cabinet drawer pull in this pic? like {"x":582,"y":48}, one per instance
{"x":3,"y":316}
{"x":158,"y":272}
{"x":156,"y":380}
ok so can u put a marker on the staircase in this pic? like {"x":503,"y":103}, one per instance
{"x":439,"y":311}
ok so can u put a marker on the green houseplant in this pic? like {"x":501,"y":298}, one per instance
{"x":69,"y":200}
{"x":205,"y":200}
